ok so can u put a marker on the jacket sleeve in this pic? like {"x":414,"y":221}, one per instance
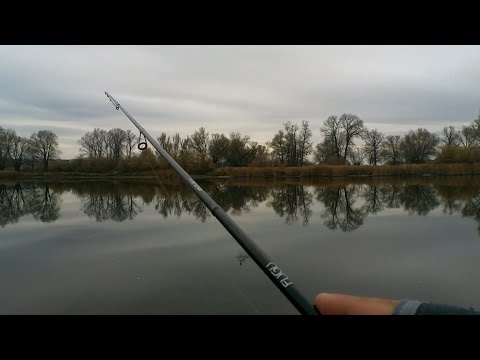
{"x":415,"y":307}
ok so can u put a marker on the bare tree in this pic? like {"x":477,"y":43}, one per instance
{"x":239,"y":153}
{"x":304,"y":142}
{"x":172,"y":145}
{"x":391,"y":149}
{"x":129,"y":143}
{"x":44,"y":145}
{"x":334,"y":138}
{"x":200,"y":140}
{"x":449,"y":136}
{"x":279,"y":147}
{"x":353,"y":127}
{"x":291,"y":143}
{"x":373,"y":144}
{"x":260,"y":155}
{"x":467,"y":137}
{"x":418,"y":146}
{"x":3,"y":148}
{"x":116,"y":141}
{"x":476,"y":127}
{"x":6,"y":139}
{"x":339,"y":135}
{"x":185,"y":152}
{"x":218,"y":149}
{"x":165,"y":142}
{"x":325,"y":152}
{"x":356,"y":156}
{"x":18,"y":151}
{"x":32,"y":156}
{"x":93,"y":144}
{"x":177,"y":145}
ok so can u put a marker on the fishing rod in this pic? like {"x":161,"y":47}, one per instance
{"x":278,"y":277}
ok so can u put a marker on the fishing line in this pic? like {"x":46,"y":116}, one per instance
{"x":143,"y":147}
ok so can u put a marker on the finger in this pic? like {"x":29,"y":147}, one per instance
{"x":338,"y":304}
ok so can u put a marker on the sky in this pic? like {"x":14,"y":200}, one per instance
{"x":253,"y":90}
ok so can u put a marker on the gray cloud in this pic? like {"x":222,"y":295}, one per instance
{"x":251,"y":89}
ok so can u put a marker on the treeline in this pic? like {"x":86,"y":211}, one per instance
{"x":415,"y":147}
{"x":16,"y":150}
{"x":346,"y":141}
{"x":197,"y":150}
{"x":117,"y":150}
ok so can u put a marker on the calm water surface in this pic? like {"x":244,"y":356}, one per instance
{"x":136,"y":247}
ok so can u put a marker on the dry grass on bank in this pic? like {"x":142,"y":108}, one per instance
{"x":313,"y":171}
{"x":349,"y":170}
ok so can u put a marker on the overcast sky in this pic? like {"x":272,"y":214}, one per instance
{"x":249,"y":89}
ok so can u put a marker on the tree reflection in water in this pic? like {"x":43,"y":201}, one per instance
{"x":373,"y":198}
{"x":118,"y":201}
{"x":340,"y":210}
{"x":45,"y":205}
{"x":454,"y":198}
{"x":418,"y":199}
{"x":292,"y":201}
{"x":345,"y":205}
{"x":20,"y":200}
{"x":389,"y":195}
{"x":472,"y":209}
{"x":117,"y":207}
{"x":242,"y":258}
{"x":176,"y":203}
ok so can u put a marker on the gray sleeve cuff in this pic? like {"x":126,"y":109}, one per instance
{"x":407,"y":307}
{"x":415,"y":307}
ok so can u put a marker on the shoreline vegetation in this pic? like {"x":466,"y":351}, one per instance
{"x":290,"y":153}
{"x":312,"y":171}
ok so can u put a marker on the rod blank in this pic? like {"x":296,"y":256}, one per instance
{"x":275,"y":274}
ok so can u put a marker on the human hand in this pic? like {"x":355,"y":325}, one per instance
{"x":338,"y":304}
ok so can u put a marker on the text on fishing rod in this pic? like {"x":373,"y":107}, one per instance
{"x":275,"y":271}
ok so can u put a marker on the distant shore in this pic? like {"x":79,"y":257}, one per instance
{"x":313,"y":171}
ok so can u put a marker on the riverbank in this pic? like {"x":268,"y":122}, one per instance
{"x":322,"y":171}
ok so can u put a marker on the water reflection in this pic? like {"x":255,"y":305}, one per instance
{"x":341,"y":210}
{"x":19,"y":200}
{"x":102,"y":201}
{"x":293,"y":202}
{"x":242,"y":258}
{"x":176,"y":203}
{"x":456,"y":200}
{"x":373,"y":196}
{"x":418,"y":199}
{"x":389,"y":195}
{"x":234,"y":199}
{"x":341,"y":205}
{"x":111,"y":206}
